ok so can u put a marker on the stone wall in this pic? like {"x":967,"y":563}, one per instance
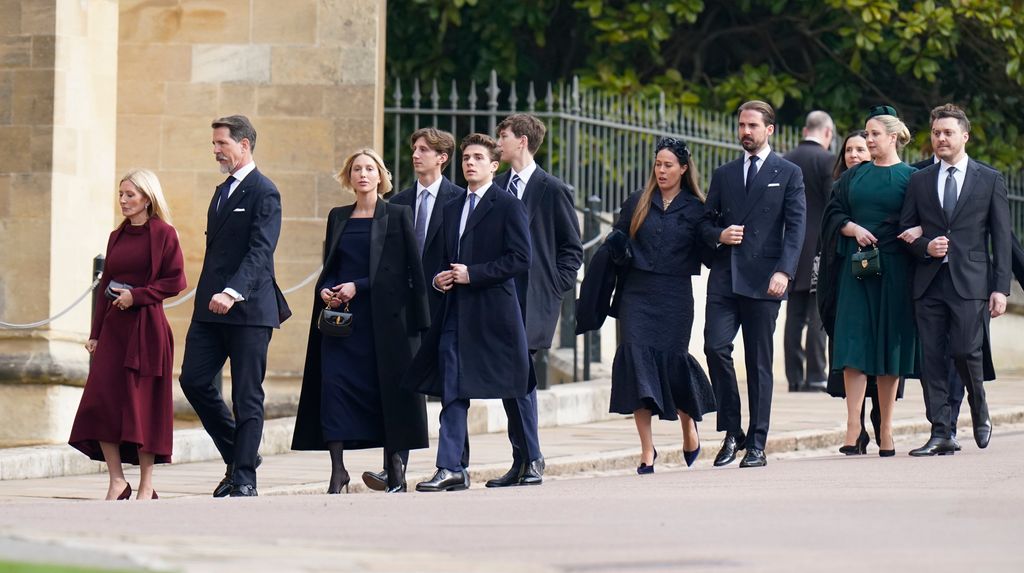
{"x":307,"y":72}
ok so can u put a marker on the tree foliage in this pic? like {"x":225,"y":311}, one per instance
{"x":839,"y":55}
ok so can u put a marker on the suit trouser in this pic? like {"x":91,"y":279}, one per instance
{"x":802,"y":311}
{"x":950,"y":327}
{"x":956,"y":397}
{"x":725,"y":315}
{"x":236,"y":432}
{"x":453,"y":437}
{"x":522,"y":426}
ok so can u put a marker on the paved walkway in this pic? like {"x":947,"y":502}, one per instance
{"x":800,"y":421}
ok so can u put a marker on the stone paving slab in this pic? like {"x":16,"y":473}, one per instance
{"x":800,"y":421}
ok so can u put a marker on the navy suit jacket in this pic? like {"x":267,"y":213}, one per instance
{"x":433,"y":247}
{"x":981,"y":218}
{"x":557,"y":253}
{"x":494,"y":361}
{"x":774,"y":219}
{"x":240,"y":243}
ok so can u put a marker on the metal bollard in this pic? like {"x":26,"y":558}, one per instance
{"x":98,"y":262}
{"x":540,"y":368}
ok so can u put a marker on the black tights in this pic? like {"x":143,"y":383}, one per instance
{"x":339,"y":475}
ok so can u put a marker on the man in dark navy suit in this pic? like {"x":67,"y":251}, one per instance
{"x":477,"y":348}
{"x":959,"y":283}
{"x":759,"y":209}
{"x":432,"y":149}
{"x":557,"y":256}
{"x":238,"y":304}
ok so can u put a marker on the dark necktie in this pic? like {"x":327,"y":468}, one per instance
{"x":949,"y":194}
{"x":472,"y":205}
{"x":513,"y":185}
{"x":421,"y":219}
{"x":223,"y":190}
{"x":751,"y":172}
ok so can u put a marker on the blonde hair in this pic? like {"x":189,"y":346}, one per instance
{"x":147,"y":183}
{"x":345,"y":175}
{"x":894,"y":126}
{"x":689,"y":182}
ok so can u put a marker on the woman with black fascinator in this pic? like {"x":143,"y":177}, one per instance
{"x":653,"y":372}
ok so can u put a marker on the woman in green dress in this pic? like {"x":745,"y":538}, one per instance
{"x":872,"y":324}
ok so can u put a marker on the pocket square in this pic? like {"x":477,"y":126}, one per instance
{"x":239,"y":210}
{"x":774,"y":184}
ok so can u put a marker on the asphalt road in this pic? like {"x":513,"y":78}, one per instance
{"x":804,"y":512}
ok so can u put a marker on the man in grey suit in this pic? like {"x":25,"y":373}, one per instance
{"x":959,"y":283}
{"x":557,"y":254}
{"x":816,"y":163}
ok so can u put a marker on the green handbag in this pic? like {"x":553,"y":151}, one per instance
{"x":865,"y":264}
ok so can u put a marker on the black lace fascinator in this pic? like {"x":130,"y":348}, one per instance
{"x":676,"y":146}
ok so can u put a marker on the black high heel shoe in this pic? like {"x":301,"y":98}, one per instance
{"x":396,"y":475}
{"x":887,"y":453}
{"x":644,"y":469}
{"x":691,"y":457}
{"x":859,"y":447}
{"x":336,"y":486}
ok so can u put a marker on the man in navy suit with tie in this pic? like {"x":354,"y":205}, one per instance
{"x":758,"y":209}
{"x":238,"y":304}
{"x":432,"y":149}
{"x":557,"y":256}
{"x":477,"y":348}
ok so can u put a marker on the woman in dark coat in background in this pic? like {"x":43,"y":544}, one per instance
{"x":653,"y":372}
{"x":350,"y":396}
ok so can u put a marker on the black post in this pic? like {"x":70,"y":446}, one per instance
{"x":98,"y":263}
{"x":591,"y":229}
{"x":540,"y":367}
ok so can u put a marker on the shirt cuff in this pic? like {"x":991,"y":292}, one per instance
{"x":233,"y":294}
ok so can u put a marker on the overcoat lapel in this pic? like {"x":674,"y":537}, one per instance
{"x":533,"y":195}
{"x":378,"y":231}
{"x":480,"y":211}
{"x":444,"y":194}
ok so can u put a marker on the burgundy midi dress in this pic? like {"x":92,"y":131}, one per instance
{"x":128,"y":395}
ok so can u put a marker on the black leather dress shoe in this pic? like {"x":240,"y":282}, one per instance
{"x":956,"y":443}
{"x":534,"y":473}
{"x":377,"y":481}
{"x":983,"y":432}
{"x":445,"y":480}
{"x":223,"y":489}
{"x":754,"y":458}
{"x":511,"y":477}
{"x":244,"y":490}
{"x":727,"y":453}
{"x":935,"y":447}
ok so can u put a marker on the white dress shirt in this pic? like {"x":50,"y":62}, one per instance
{"x":524,"y":178}
{"x":761,"y":157}
{"x":433,"y":190}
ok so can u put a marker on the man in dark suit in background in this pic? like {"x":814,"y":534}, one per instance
{"x":238,"y":304}
{"x":963,"y":210}
{"x":557,"y":256}
{"x":758,"y":210}
{"x":477,"y":347}
{"x":432,"y":149}
{"x":816,"y":163}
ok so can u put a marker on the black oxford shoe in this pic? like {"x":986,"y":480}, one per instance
{"x":727,"y":454}
{"x":754,"y":458}
{"x":377,"y":481}
{"x":445,"y":480}
{"x":534,"y":473}
{"x":935,"y":447}
{"x":223,"y":488}
{"x":983,"y":432}
{"x":244,"y":490}
{"x":511,"y":477}
{"x":956,"y":443}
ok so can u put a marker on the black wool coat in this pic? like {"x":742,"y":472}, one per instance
{"x":399,"y":315}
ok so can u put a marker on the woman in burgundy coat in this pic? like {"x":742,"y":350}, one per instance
{"x":126,"y":412}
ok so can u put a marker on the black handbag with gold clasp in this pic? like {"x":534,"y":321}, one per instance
{"x":335,"y":322}
{"x":865,"y":264}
